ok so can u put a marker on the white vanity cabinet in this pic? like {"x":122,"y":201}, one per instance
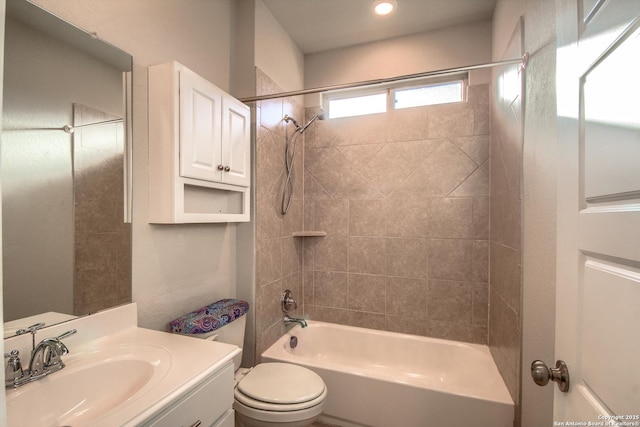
{"x":209,"y":404}
{"x":199,"y":149}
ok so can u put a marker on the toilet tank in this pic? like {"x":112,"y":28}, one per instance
{"x":231,"y":313}
{"x":231,"y":333}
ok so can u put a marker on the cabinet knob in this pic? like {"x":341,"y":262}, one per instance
{"x":220,"y":167}
{"x":227,"y":168}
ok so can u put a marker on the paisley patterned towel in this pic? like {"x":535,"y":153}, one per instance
{"x":209,"y":318}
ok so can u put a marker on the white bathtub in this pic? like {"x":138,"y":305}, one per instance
{"x":385,"y":379}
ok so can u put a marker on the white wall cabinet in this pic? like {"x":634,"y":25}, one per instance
{"x":199,"y":149}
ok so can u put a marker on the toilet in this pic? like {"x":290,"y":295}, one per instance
{"x":269,"y":394}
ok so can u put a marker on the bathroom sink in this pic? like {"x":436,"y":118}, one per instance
{"x":93,"y":384}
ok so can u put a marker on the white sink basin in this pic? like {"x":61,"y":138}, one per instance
{"x":93,"y":384}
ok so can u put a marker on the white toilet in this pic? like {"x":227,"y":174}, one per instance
{"x":271,"y":394}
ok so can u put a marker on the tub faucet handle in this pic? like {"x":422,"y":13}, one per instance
{"x":288,"y":302}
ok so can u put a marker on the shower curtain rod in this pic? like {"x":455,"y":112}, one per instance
{"x":522,"y":61}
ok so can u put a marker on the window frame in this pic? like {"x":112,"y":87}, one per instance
{"x":390,"y":88}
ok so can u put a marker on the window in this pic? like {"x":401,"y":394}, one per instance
{"x":444,"y":93}
{"x":357,"y":105}
{"x":357,"y":102}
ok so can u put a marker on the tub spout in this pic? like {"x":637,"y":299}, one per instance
{"x":301,"y":322}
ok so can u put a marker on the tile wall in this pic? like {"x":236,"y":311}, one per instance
{"x":404,"y":199}
{"x":279,"y":254}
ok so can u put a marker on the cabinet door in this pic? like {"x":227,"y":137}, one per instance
{"x":200,"y":128}
{"x":236,"y":128}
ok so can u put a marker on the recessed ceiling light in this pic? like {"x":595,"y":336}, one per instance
{"x":384,"y":7}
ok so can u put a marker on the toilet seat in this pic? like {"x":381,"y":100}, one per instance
{"x":280,"y":387}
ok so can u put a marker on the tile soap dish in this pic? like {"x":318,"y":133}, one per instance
{"x":309,"y":233}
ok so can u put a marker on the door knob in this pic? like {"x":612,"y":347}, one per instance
{"x":541,"y":374}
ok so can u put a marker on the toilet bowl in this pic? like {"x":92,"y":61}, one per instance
{"x":269,"y":394}
{"x":279,"y":394}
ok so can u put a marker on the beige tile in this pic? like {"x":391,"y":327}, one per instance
{"x":362,"y":319}
{"x":447,"y":167}
{"x":269,"y":164}
{"x":458,"y":332}
{"x":450,"y":218}
{"x":407,"y":325}
{"x":407,"y":257}
{"x":407,"y":297}
{"x":478,"y":96}
{"x":337,"y":176}
{"x":416,"y":152}
{"x":367,"y":292}
{"x":268,"y":312}
{"x":386,"y":170}
{"x":313,"y":189}
{"x":408,"y":124}
{"x":332,"y":216}
{"x":367,"y":217}
{"x":480,"y":314}
{"x":511,"y":219}
{"x":268,"y":220}
{"x":291,"y":255}
{"x":329,"y":314}
{"x":476,"y":147}
{"x":360,"y":155}
{"x":292,"y":221}
{"x":450,"y":121}
{"x":450,"y":302}
{"x":481,"y":218}
{"x":269,"y":260}
{"x":481,"y":122}
{"x":406,"y":217}
{"x":451,"y":259}
{"x":330,"y":253}
{"x":476,"y":184}
{"x":368,"y":129}
{"x":330,"y":289}
{"x":480,"y":268}
{"x":367,"y":255}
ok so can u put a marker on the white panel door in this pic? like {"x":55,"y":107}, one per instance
{"x":598,"y":265}
{"x":200,"y":128}
{"x":236,"y":129}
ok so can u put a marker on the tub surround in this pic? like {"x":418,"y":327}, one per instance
{"x":191,"y":361}
{"x":404,"y":199}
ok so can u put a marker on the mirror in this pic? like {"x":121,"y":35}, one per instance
{"x":65,"y":170}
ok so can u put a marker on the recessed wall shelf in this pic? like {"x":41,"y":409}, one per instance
{"x":309,"y":233}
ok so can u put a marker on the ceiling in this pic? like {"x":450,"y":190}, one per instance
{"x":317,"y":25}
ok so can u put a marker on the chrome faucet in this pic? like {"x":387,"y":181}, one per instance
{"x":288,"y":319}
{"x":45,"y":360}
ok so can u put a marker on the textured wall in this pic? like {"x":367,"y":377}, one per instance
{"x":403,"y":197}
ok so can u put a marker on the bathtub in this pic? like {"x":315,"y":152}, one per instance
{"x":385,"y":379}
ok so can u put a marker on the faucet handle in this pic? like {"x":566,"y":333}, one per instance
{"x":13,"y":370}
{"x":57,"y":348}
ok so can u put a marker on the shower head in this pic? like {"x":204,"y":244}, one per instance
{"x":319,"y":115}
{"x":288,"y":118}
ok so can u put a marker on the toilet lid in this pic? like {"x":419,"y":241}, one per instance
{"x":281,"y":383}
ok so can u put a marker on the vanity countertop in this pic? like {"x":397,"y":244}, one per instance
{"x":179,"y":363}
